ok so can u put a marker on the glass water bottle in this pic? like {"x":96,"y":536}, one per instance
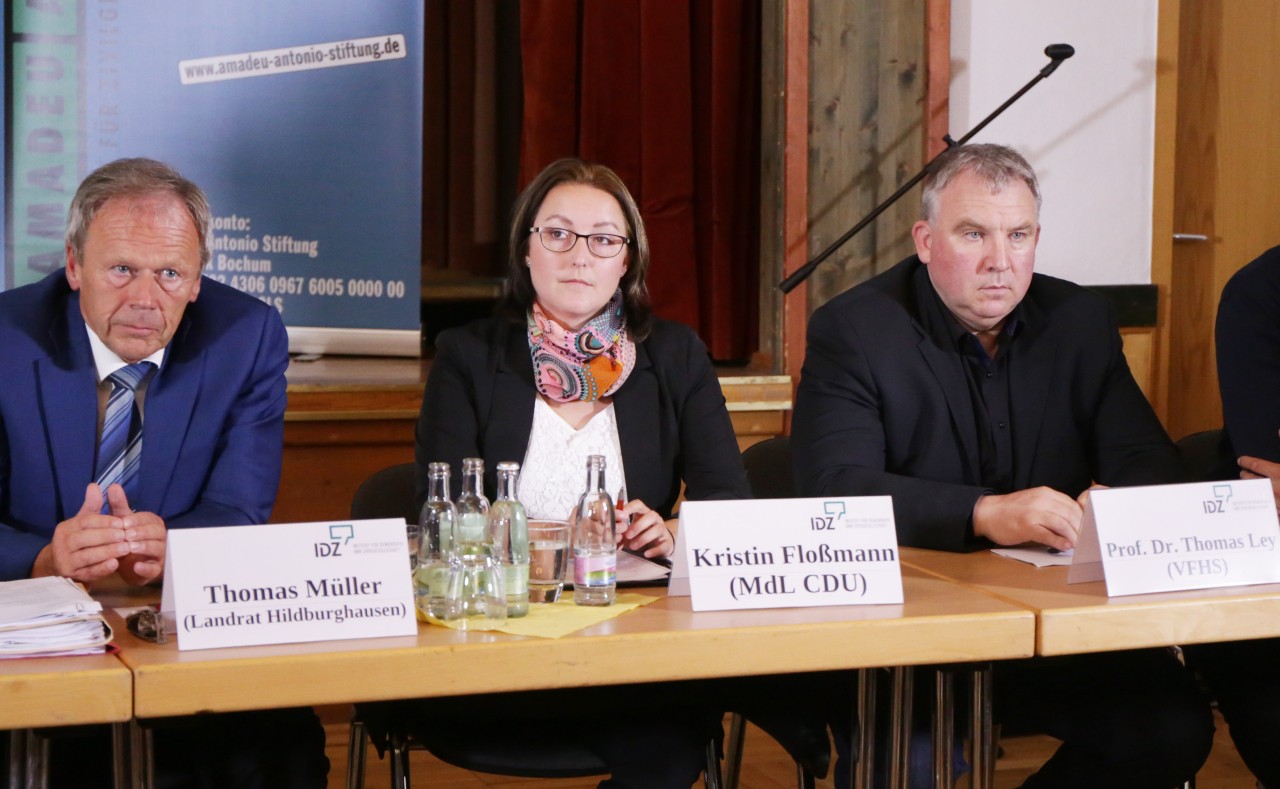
{"x":509,"y":531}
{"x":436,"y":524}
{"x":595,"y":558}
{"x":473,"y":509}
{"x":483,"y":588}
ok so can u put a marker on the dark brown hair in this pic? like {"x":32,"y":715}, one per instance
{"x":517,"y":291}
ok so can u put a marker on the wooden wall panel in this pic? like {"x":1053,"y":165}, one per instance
{"x":1140,"y":352}
{"x":867,"y":72}
{"x":1162,"y":203}
{"x":324,"y":463}
{"x":1193,"y":300}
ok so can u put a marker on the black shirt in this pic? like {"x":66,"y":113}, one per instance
{"x":988,"y":379}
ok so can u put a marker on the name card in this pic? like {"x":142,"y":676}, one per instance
{"x":787,"y":553}
{"x":289,"y":582}
{"x":1163,"y":538}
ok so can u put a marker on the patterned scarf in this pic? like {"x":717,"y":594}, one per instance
{"x":587,"y":364}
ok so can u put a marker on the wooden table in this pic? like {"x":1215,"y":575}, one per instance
{"x":666,"y":640}
{"x":60,"y":691}
{"x":940,"y":623}
{"x":64,"y":691}
{"x":1079,"y":618}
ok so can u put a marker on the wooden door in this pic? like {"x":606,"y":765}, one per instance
{"x":1226,"y":180}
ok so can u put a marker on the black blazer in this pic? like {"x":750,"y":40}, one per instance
{"x":883,"y":409}
{"x":672,"y":421}
{"x":1247,"y":336}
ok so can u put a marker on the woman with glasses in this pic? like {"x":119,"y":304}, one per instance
{"x":574,"y":365}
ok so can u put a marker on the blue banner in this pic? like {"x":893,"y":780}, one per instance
{"x":301,"y":119}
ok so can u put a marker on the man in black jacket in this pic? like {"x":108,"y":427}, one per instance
{"x":985,"y":399}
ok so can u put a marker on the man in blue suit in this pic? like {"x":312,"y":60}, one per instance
{"x":213,"y":406}
{"x":204,"y":432}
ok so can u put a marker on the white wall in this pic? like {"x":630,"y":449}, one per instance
{"x":1088,"y":130}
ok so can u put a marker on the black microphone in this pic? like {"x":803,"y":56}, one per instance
{"x":1056,"y":53}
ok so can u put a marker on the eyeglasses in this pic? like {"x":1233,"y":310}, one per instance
{"x":558,"y":239}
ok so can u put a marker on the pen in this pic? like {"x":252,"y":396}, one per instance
{"x":622,"y":502}
{"x":622,"y":523}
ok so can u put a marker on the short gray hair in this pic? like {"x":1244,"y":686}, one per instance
{"x":135,"y":178}
{"x":996,"y":164}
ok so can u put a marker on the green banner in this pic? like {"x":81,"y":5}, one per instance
{"x":45,"y":135}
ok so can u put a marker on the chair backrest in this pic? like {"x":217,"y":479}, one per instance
{"x":769,"y":468}
{"x":1206,"y":456}
{"x":388,"y":493}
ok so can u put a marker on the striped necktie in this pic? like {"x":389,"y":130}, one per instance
{"x":120,"y":450}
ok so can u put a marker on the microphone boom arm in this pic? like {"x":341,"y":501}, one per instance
{"x":1057,"y":53}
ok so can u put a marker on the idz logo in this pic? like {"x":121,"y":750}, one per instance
{"x":833,"y":511}
{"x":339,"y":536}
{"x":1217,"y":504}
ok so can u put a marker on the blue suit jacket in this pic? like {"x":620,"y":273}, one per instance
{"x":214,"y":416}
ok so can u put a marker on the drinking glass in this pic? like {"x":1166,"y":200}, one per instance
{"x":477,"y":583}
{"x":548,"y":559}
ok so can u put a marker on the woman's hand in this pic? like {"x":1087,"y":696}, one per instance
{"x":646,"y":533}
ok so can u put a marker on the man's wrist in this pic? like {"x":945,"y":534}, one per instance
{"x":43,"y":564}
{"x":975,"y":531}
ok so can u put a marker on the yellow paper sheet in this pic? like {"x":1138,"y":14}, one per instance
{"x":552,"y":620}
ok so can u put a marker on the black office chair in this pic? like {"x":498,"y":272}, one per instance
{"x":390,"y":493}
{"x":768,"y":466}
{"x":1207,"y":456}
{"x":387,"y":493}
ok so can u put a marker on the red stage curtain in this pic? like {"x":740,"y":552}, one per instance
{"x":667,"y":93}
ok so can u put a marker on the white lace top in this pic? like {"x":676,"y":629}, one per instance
{"x":555,"y":464}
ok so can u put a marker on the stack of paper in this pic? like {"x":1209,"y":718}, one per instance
{"x":50,"y":616}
